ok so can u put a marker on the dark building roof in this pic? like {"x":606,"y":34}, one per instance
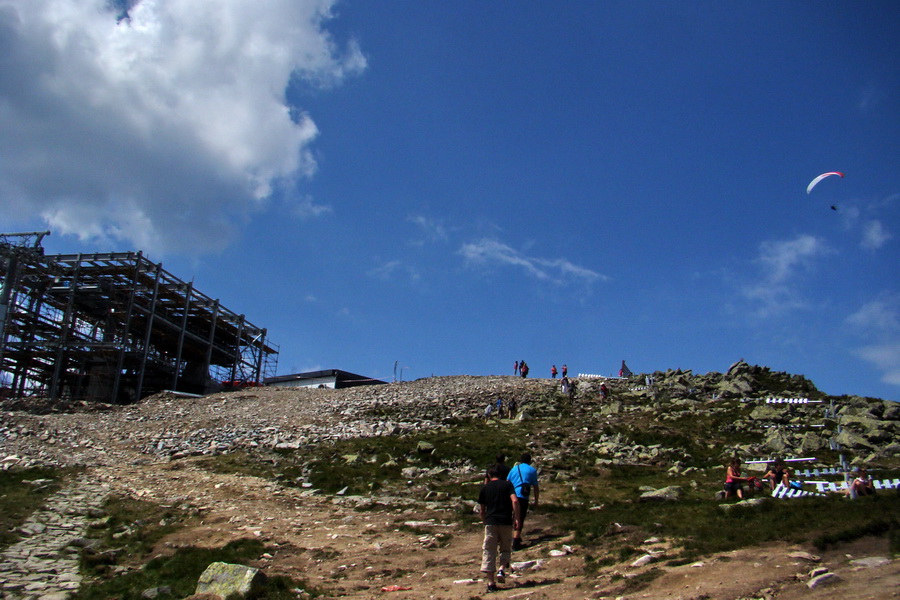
{"x":342,"y":379}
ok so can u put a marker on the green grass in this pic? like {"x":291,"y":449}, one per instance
{"x":19,"y":498}
{"x":181,"y":571}
{"x":128,"y":533}
{"x":119,"y":564}
{"x":701,"y":527}
{"x":375,"y":464}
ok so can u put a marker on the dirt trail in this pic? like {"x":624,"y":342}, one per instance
{"x":353,"y":553}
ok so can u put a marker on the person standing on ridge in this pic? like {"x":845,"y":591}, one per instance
{"x":553,"y":372}
{"x":524,"y":478}
{"x":516,"y":368}
{"x":499,"y":509}
{"x":565,"y":370}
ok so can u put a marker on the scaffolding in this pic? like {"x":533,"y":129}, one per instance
{"x":115,"y":327}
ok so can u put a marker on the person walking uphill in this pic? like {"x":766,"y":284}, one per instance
{"x":499,"y":510}
{"x":524,"y":478}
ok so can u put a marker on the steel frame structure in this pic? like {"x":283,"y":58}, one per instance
{"x":116,"y":327}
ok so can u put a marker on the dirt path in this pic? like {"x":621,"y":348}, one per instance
{"x":352,"y":548}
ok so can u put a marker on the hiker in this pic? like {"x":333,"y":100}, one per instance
{"x":604,"y":391}
{"x":523,"y":369}
{"x":733,"y":479}
{"x":516,"y":368}
{"x":499,"y":509}
{"x":565,"y":370}
{"x":564,"y":384}
{"x":488,"y":411}
{"x":861,"y":484}
{"x":499,"y":408}
{"x":501,"y":466}
{"x":553,"y":372}
{"x":524,"y":478}
{"x":511,"y":408}
{"x":778,"y":473}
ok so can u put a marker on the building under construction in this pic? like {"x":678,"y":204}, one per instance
{"x":115,"y":327}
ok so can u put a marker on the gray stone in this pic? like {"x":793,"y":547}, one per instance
{"x":823,"y":580}
{"x":225,"y":579}
{"x":870,"y":561}
{"x":671,"y":493}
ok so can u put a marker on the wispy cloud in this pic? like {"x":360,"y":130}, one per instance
{"x":878,"y":322}
{"x":865,"y":218}
{"x":431,"y":229}
{"x":875,"y":235}
{"x":488,"y":252}
{"x":305,"y":207}
{"x":781,"y":262}
{"x":393,"y":269}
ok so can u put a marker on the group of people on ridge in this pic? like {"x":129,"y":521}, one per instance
{"x":520,"y":368}
{"x":503,"y":504}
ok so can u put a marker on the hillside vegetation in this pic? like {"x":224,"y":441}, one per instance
{"x":628,"y":476}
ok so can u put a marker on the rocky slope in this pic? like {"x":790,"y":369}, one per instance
{"x":353,"y":545}
{"x":168,"y":426}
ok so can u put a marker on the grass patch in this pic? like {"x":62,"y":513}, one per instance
{"x":701,"y":527}
{"x":178,"y":574}
{"x":126,"y":536}
{"x":21,"y":493}
{"x":376,"y":464}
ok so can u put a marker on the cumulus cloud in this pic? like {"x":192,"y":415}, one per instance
{"x":878,"y":322}
{"x":165,"y":128}
{"x":781,"y":263}
{"x":488,"y":252}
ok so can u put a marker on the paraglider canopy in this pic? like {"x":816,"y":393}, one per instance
{"x":815,"y":181}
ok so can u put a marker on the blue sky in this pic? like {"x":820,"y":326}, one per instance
{"x":458,"y":185}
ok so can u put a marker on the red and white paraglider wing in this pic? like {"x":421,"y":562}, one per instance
{"x":815,"y":181}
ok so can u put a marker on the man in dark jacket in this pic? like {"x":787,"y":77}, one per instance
{"x":499,"y":510}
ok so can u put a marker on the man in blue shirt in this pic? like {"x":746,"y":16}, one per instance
{"x":524,"y":478}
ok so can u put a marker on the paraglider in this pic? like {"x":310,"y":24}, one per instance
{"x":815,"y":181}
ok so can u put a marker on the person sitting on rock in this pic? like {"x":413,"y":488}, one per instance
{"x":861,"y":484}
{"x":778,"y":473}
{"x":733,"y":480}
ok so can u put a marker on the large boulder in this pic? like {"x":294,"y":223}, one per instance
{"x":891,"y":411}
{"x":224,"y":580}
{"x":671,"y":493}
{"x":779,"y":442}
{"x":812,"y":442}
{"x":853,"y":441}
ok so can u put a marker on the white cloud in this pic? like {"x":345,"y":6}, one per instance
{"x":165,"y":129}
{"x":433,"y":231}
{"x":391,"y":269}
{"x":875,"y":235}
{"x":885,"y":358}
{"x":488,"y":252}
{"x":878,"y":322}
{"x":879,"y":315}
{"x":777,"y":288}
